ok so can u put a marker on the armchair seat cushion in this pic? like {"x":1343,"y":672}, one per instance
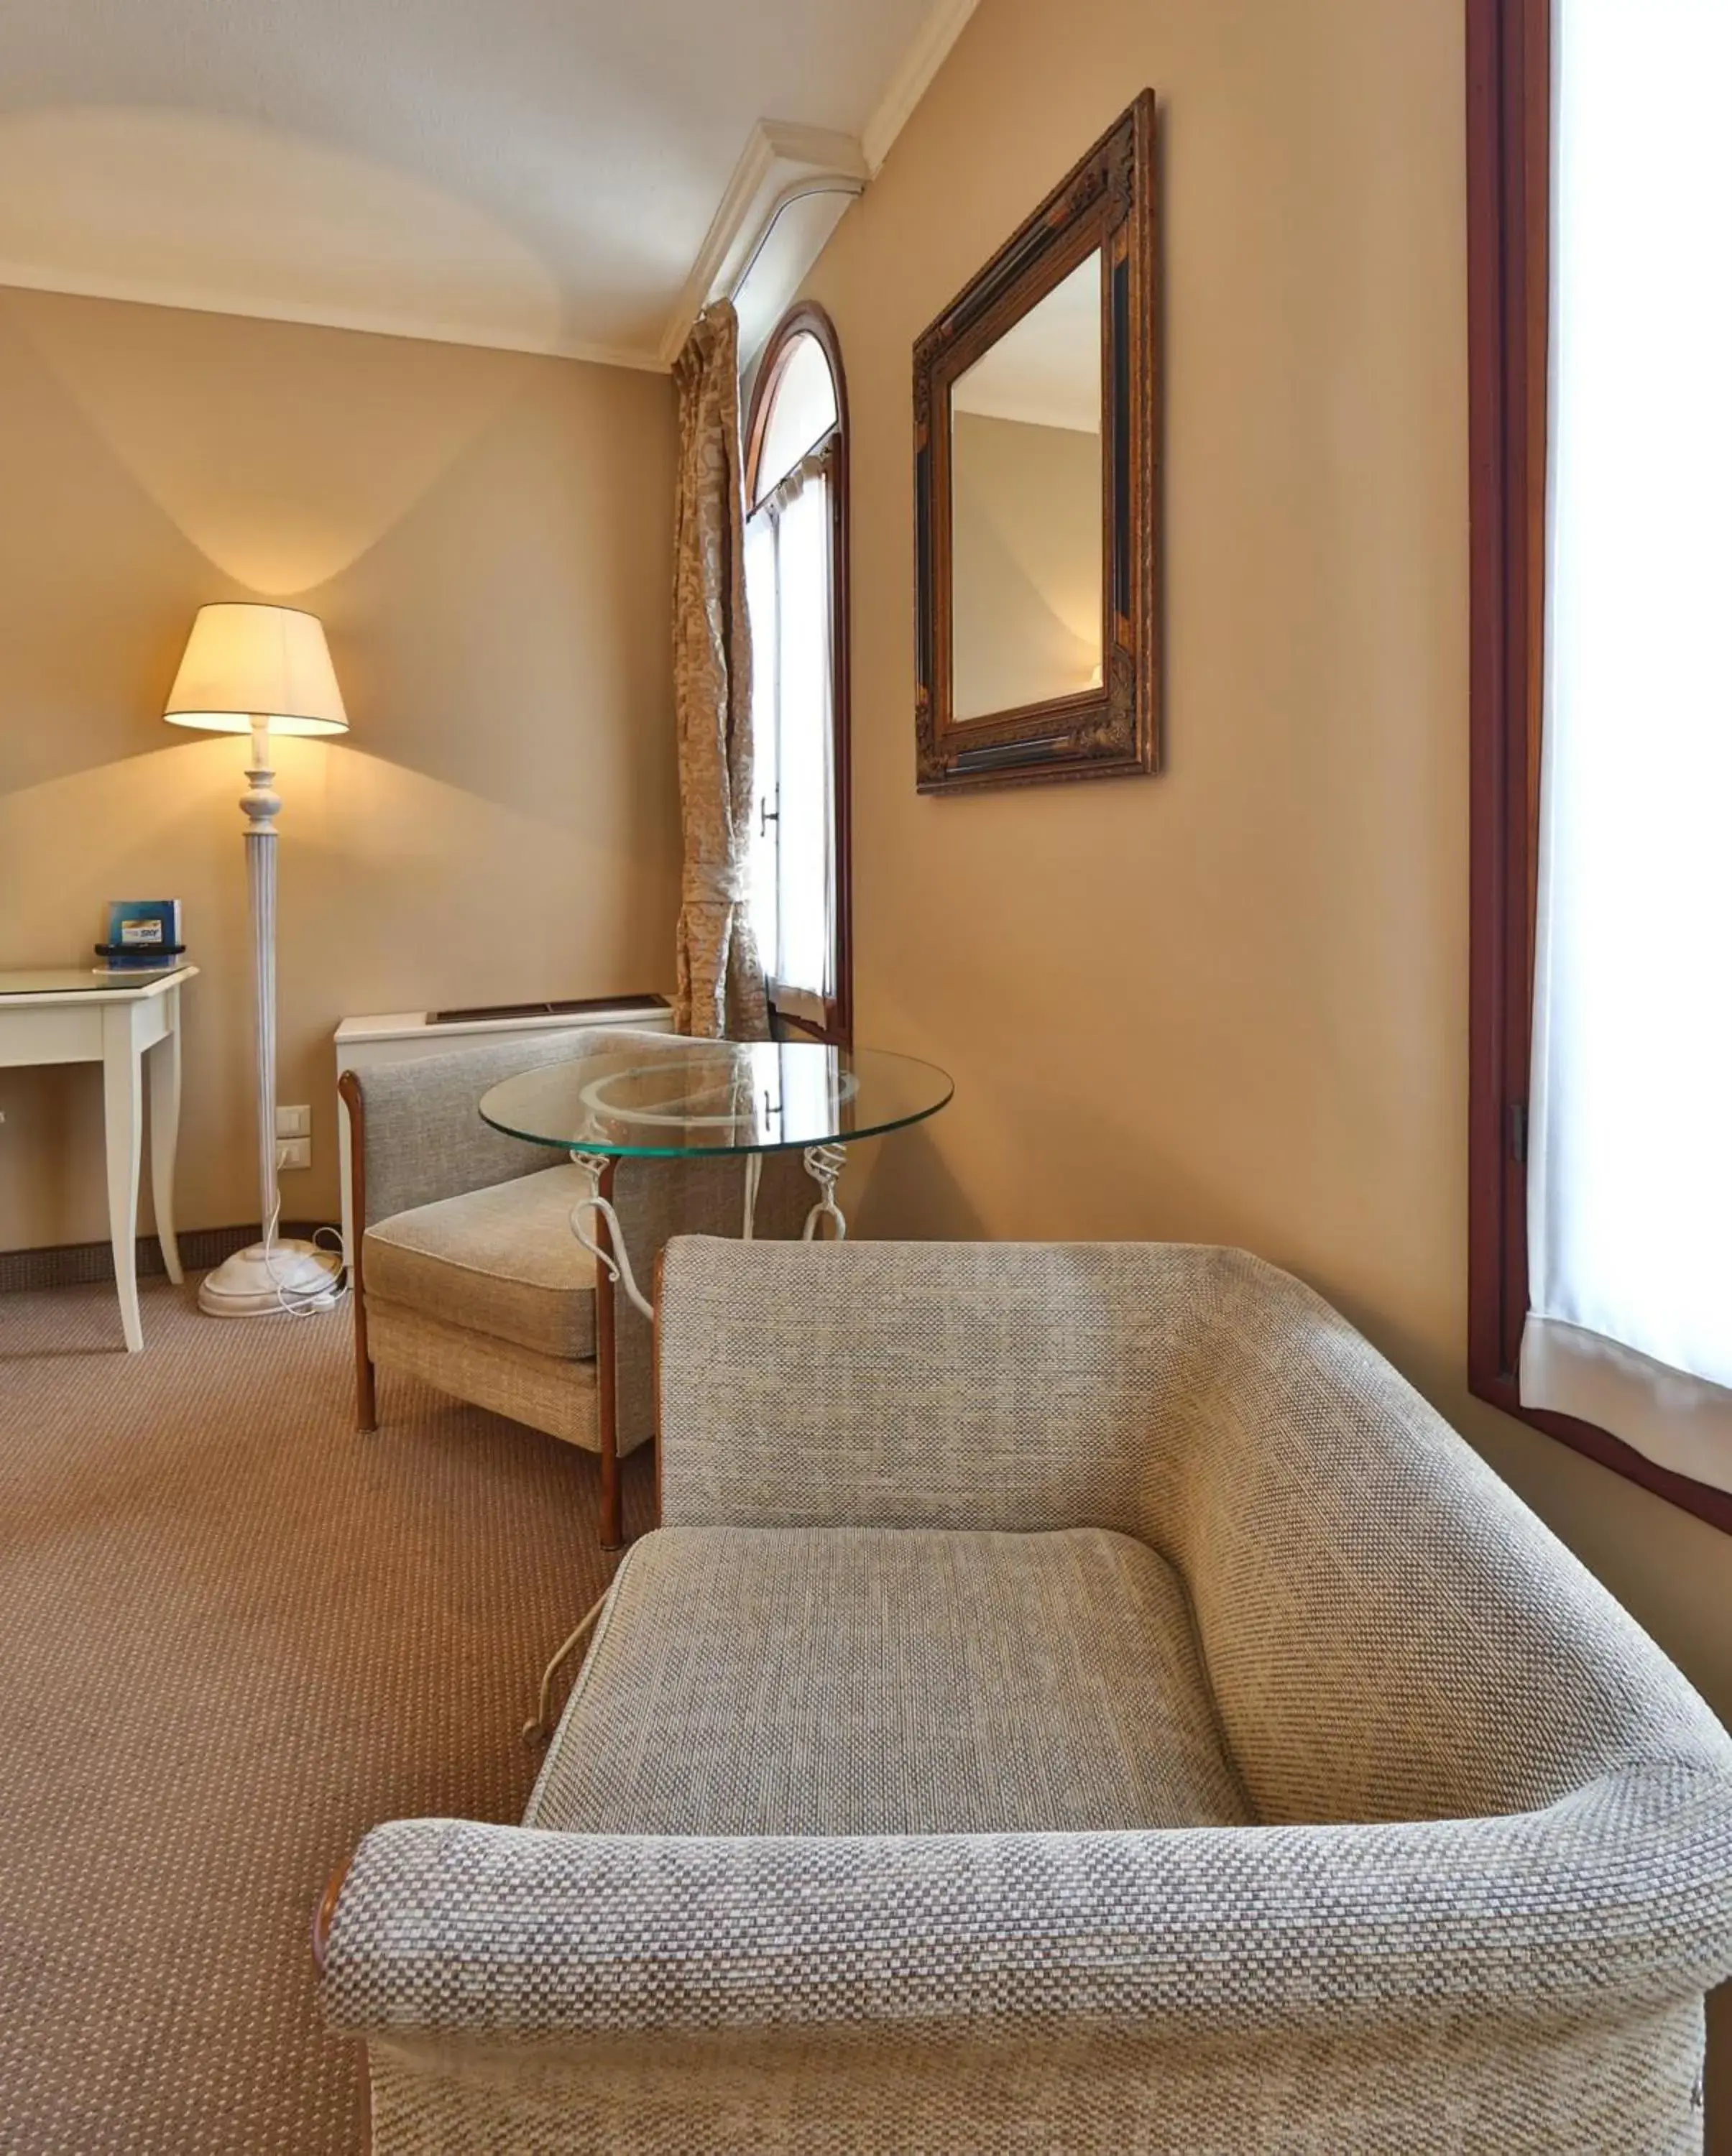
{"x":502,"y":1261}
{"x":872,"y":1680}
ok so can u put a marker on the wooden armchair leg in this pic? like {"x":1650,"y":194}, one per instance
{"x":366,"y":1411}
{"x":366,"y":1406}
{"x":611,"y":1536}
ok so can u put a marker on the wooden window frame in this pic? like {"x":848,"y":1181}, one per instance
{"x":806,"y":318}
{"x":1508,"y":309}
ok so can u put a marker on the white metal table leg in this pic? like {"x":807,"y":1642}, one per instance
{"x":595,"y":1165}
{"x":824,"y":1164}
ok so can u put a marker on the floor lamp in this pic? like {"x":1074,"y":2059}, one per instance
{"x":248,"y":668}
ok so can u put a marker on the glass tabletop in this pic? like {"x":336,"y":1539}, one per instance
{"x":671,"y":1100}
{"x":86,"y":980}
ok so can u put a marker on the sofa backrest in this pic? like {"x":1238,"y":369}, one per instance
{"x":1389,"y":1632}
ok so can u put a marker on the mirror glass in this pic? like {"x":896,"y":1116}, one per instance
{"x":1026,"y":553}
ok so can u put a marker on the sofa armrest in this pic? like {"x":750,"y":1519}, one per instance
{"x":1618,"y":1896}
{"x":1389,"y":1632}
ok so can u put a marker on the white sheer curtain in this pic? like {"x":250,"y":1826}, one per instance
{"x":1630,"y":1160}
{"x":761,"y":611}
{"x":788,"y":599}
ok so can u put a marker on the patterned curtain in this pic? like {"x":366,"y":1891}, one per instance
{"x":720,"y":990}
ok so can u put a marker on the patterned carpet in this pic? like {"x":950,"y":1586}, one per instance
{"x":233,"y":1635}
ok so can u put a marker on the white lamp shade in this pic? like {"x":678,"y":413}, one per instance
{"x":245,"y":661}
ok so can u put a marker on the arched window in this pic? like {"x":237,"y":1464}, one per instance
{"x":797,"y":600}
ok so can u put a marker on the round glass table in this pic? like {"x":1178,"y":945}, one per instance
{"x":678,"y":1099}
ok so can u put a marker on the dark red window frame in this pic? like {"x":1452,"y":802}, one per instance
{"x":1509,"y":212}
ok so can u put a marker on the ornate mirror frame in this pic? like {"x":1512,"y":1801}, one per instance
{"x":1107,"y":201}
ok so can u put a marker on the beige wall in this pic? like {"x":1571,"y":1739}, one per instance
{"x":487,"y":537}
{"x":1230,"y":1002}
{"x":1026,"y":544}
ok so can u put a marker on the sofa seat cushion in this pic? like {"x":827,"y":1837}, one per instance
{"x":502,"y":1261}
{"x":872,"y":1680}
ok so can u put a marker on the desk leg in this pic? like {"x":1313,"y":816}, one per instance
{"x":122,"y":1110}
{"x":165,"y":1132}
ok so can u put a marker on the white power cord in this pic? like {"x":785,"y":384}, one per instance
{"x":538,"y":1728}
{"x":299,"y":1301}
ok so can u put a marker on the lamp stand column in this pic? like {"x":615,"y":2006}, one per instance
{"x":259,"y":804}
{"x":269,"y":1276}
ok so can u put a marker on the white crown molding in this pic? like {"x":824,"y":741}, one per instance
{"x":373,"y":321}
{"x":780,"y":161}
{"x":924,"y":58}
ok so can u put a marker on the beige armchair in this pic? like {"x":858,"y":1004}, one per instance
{"x":468,"y":1276}
{"x":1080,"y":1698}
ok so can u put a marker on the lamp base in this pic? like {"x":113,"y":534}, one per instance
{"x":260,"y":1283}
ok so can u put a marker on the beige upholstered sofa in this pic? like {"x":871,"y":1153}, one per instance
{"x":468,"y":1273}
{"x":1079,"y":1698}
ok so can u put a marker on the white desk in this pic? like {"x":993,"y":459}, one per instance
{"x":69,"y":1015}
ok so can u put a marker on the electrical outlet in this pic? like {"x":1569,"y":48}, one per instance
{"x":294,"y":1152}
{"x":294,"y":1122}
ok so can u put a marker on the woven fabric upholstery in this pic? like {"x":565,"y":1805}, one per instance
{"x":657,"y":1199}
{"x":867,"y":1681}
{"x":502,"y":1261}
{"x":422,"y":1137}
{"x":1487,"y":1874}
{"x":1390,"y":1632}
{"x":442,"y":1208}
{"x":1446,"y":2087}
{"x":545,"y":1391}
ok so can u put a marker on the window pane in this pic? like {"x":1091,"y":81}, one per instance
{"x":1630,"y":1166}
{"x":761,"y":613}
{"x":803,"y":733}
{"x":809,"y":1084}
{"x":802,"y":410}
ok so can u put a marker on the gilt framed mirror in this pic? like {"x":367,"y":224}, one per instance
{"x":1036,"y":496}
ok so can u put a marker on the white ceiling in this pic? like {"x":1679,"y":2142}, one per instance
{"x":571,"y":175}
{"x":1045,"y":369}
